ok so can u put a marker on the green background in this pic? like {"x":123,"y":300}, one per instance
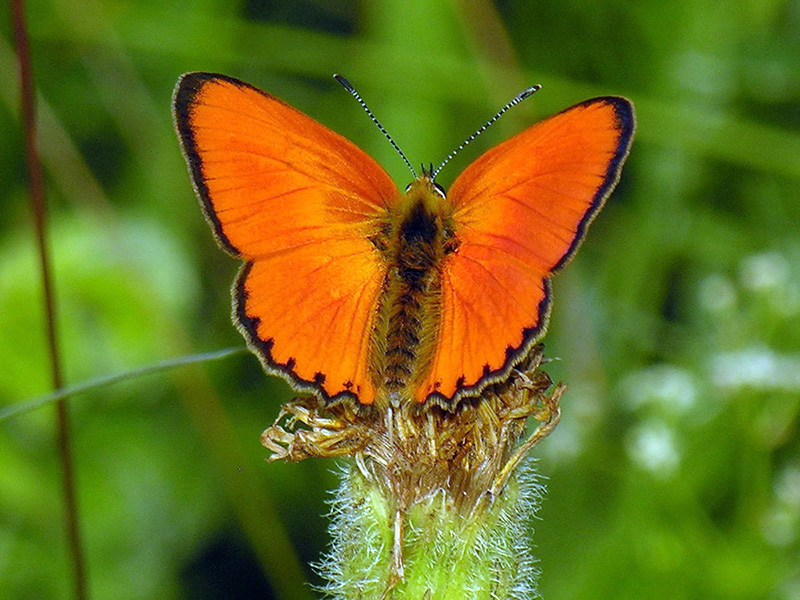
{"x":675,"y":471}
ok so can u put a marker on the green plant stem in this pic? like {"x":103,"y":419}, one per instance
{"x":97,"y":383}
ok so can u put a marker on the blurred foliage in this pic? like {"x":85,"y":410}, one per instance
{"x":675,"y":471}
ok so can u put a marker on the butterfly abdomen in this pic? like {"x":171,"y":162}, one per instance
{"x":409,"y":313}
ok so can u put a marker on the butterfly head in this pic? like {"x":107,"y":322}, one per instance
{"x":426,"y":184}
{"x":426,"y":214}
{"x":422,"y":220}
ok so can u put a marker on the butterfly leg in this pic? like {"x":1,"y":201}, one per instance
{"x":304,"y":429}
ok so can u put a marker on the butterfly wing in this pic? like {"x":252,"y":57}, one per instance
{"x":521,"y":211}
{"x":298,"y":203}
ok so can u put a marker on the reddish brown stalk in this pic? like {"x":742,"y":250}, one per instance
{"x":39,"y":209}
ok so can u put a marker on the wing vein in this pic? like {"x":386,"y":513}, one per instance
{"x":517,"y":260}
{"x":499,"y":282}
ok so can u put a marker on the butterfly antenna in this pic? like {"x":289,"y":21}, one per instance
{"x":349,"y":87}
{"x":515,"y":100}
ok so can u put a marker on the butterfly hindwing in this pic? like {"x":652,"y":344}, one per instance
{"x":314,"y":325}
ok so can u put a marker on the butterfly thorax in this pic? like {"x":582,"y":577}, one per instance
{"x":414,"y":242}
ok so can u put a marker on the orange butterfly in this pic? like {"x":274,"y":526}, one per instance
{"x":352,"y":288}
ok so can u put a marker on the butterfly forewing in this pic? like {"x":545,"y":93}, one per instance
{"x":299,"y":203}
{"x":522,"y":209}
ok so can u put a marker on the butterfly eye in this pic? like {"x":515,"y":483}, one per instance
{"x":439,"y":189}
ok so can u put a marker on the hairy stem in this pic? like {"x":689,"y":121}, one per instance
{"x":485,"y":555}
